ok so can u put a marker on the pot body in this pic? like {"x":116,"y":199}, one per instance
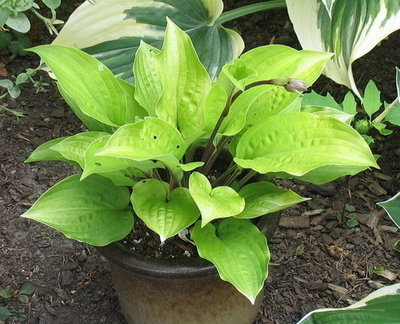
{"x":206,"y":300}
{"x":154,"y":291}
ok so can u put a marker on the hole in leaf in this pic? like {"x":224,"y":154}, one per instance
{"x":178,"y":146}
{"x":97,"y":163}
{"x":144,"y":181}
{"x":154,"y":161}
{"x":155,"y":137}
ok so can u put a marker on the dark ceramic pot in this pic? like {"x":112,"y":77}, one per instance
{"x":162,"y":291}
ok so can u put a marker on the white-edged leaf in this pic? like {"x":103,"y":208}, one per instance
{"x":381,"y":306}
{"x":297,"y":143}
{"x":92,"y":211}
{"x":239,"y":252}
{"x":392,"y":207}
{"x":112,"y":33}
{"x":350,"y":29}
{"x":214,"y":203}
{"x":164,"y":212}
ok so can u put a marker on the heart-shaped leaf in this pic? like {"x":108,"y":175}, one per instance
{"x":264,"y":198}
{"x":219,"y":202}
{"x":112,"y":31}
{"x":166,"y":213}
{"x":297,"y":143}
{"x":239,"y":252}
{"x":92,"y":211}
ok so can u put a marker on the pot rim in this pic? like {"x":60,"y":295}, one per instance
{"x":190,"y":268}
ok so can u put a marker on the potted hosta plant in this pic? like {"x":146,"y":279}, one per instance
{"x":152,"y":152}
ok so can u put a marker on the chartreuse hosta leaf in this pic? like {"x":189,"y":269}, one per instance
{"x":298,"y":143}
{"x":112,"y":32}
{"x":165,"y":212}
{"x":269,"y":62}
{"x":264,"y":198}
{"x":381,"y":306}
{"x":94,"y":89}
{"x":239,"y":252}
{"x":92,"y":211}
{"x":94,"y":163}
{"x":149,"y":139}
{"x":350,"y":29}
{"x":45,"y":153}
{"x":392,"y":207}
{"x":173,"y":82}
{"x":74,"y":148}
{"x":220,"y":202}
{"x":90,"y":122}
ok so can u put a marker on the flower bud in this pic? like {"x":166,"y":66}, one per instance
{"x":295,"y":85}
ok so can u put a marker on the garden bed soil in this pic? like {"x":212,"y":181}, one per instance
{"x":323,"y":255}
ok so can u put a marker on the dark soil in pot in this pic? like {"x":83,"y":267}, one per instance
{"x":317,"y":259}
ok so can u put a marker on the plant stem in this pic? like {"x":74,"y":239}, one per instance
{"x":246,"y":178}
{"x":386,"y":112}
{"x":210,"y":147}
{"x":234,"y":175}
{"x":214,"y":156}
{"x":249,"y":9}
{"x":231,"y":168}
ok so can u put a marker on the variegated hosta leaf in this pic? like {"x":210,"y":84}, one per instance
{"x":166,"y":213}
{"x":172,"y":83}
{"x":350,"y":29}
{"x":92,"y":87}
{"x":264,"y":198}
{"x":392,"y":207}
{"x":268,"y":62}
{"x":297,"y":143}
{"x":239,"y":252}
{"x":220,"y":202}
{"x":381,"y":306}
{"x":92,"y":211}
{"x":111,"y":31}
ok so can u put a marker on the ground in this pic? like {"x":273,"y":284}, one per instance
{"x":319,"y":259}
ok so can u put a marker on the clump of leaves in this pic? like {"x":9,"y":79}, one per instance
{"x":141,"y":158}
